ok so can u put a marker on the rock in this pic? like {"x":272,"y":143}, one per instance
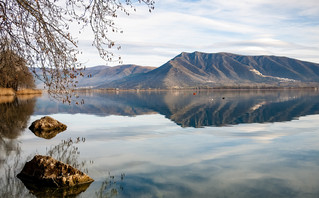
{"x":45,"y":171}
{"x":47,"y":127}
{"x":46,"y":134}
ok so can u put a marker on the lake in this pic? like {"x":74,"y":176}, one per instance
{"x":249,"y":143}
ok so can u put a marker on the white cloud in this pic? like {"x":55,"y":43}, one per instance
{"x":288,"y":28}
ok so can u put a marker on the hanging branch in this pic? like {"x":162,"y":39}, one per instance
{"x":39,"y":32}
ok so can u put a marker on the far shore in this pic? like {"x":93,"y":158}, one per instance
{"x":31,"y":92}
{"x":193,"y":89}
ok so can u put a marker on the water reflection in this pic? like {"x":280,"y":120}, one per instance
{"x":218,"y":161}
{"x":161,"y":159}
{"x":111,"y":187}
{"x":215,"y":108}
{"x":55,"y":192}
{"x":14,"y":116}
{"x":10,"y":186}
{"x":66,"y":151}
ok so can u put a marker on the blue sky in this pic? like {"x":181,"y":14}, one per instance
{"x":248,"y":27}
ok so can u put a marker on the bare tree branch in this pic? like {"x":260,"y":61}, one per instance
{"x":39,"y":32}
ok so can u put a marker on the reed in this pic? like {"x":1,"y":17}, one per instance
{"x":7,"y":92}
{"x":29,"y":92}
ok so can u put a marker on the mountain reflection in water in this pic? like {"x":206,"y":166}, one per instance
{"x":143,"y":154}
{"x":204,"y":108}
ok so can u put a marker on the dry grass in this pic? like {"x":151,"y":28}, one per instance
{"x":29,"y":92}
{"x":7,"y":92}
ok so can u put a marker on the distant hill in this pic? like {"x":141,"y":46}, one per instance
{"x":220,"y":69}
{"x":98,"y":75}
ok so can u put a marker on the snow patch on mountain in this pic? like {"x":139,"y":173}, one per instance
{"x":278,"y":78}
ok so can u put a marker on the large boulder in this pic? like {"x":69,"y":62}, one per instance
{"x":47,"y":127}
{"x":45,"y":171}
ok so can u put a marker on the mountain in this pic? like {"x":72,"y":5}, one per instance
{"x":199,"y":69}
{"x":95,"y":76}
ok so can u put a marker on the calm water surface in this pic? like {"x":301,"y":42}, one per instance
{"x":172,"y":144}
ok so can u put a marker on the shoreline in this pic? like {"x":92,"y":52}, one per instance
{"x":11,"y":92}
{"x":194,"y":89}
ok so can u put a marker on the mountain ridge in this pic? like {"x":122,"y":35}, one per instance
{"x":94,"y":76}
{"x":199,"y":69}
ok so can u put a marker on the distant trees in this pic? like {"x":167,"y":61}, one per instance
{"x":39,"y":31}
{"x":13,"y":71}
